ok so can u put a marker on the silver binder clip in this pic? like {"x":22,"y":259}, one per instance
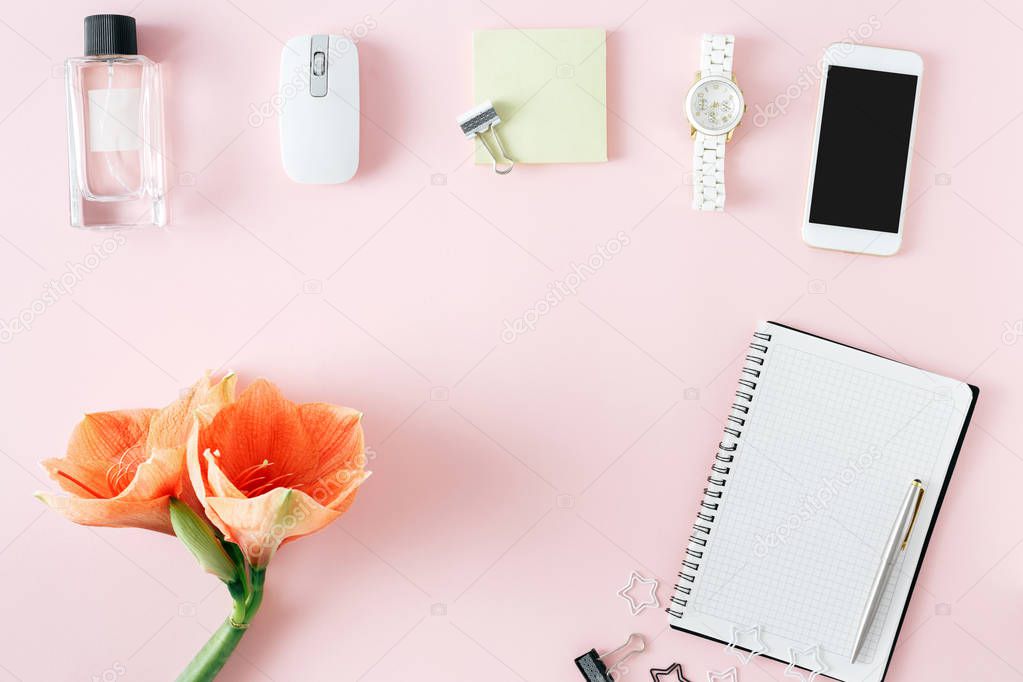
{"x":475,"y":123}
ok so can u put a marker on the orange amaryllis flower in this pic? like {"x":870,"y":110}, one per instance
{"x":269,"y":471}
{"x":122,"y":467}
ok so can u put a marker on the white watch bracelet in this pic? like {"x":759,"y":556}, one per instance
{"x":709,"y":172}
{"x":714,"y":107}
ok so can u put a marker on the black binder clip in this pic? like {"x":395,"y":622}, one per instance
{"x":599,"y":668}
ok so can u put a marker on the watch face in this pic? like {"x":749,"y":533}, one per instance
{"x":714,"y":105}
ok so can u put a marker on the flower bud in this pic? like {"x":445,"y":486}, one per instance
{"x":198,"y":536}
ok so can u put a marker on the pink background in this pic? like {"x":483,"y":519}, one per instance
{"x":516,"y":484}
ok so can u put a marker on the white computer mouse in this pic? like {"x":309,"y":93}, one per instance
{"x":319,"y":109}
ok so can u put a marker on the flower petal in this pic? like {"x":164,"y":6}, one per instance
{"x":101,"y":453}
{"x":158,"y":476}
{"x":219,"y":396}
{"x":346,"y":496}
{"x":336,"y":437}
{"x":219,"y":485}
{"x":77,"y":480}
{"x":197,"y":479}
{"x":337,"y":492}
{"x":171,"y":425}
{"x":259,"y":525}
{"x":116,"y":513}
{"x":261,"y":424}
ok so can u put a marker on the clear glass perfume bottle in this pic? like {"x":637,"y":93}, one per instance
{"x":115,"y":130}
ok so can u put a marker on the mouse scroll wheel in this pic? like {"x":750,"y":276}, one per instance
{"x":319,"y":63}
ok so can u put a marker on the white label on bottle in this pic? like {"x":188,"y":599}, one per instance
{"x":114,"y":120}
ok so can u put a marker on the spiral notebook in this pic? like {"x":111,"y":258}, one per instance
{"x":818,"y":448}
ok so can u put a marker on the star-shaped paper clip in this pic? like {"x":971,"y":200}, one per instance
{"x":818,"y":665}
{"x":675,"y":670}
{"x":730,"y":675}
{"x":649,"y":600}
{"x":747,"y":651}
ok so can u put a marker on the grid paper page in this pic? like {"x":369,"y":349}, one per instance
{"x":825,"y":458}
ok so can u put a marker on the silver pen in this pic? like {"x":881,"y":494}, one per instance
{"x":897,"y":541}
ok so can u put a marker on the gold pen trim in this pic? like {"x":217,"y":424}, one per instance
{"x":916,"y":512}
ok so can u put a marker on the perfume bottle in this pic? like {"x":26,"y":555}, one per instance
{"x":115,"y":130}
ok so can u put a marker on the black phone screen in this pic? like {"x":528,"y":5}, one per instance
{"x":863,"y":148}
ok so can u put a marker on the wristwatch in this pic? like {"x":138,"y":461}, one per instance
{"x":714,"y":107}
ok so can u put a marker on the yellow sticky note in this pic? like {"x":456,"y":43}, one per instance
{"x":549,"y":87}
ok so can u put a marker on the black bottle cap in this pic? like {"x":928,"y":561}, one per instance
{"x":110,"y":34}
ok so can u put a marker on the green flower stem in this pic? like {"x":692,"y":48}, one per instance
{"x":214,"y":654}
{"x":256,"y":596}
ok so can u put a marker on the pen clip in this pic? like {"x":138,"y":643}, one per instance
{"x":916,"y":512}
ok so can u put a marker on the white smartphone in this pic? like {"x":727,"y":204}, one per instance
{"x":862,"y":146}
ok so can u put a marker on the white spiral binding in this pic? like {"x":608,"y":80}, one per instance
{"x":720,"y":472}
